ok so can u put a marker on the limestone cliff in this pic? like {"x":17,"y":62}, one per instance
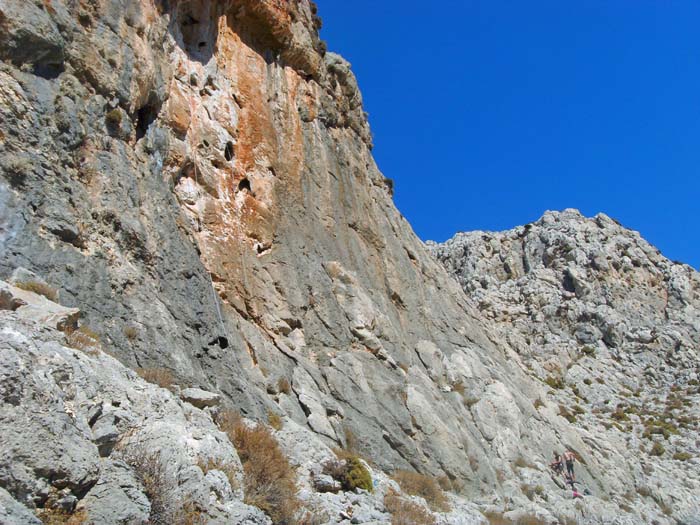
{"x":196,"y":177}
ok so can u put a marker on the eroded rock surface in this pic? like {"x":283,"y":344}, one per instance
{"x":196,"y":178}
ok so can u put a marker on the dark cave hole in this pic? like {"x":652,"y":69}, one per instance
{"x":228,"y":151}
{"x":244,"y":185}
{"x":220,"y":341}
{"x":144,"y":118}
{"x":568,"y":283}
{"x":48,"y":71}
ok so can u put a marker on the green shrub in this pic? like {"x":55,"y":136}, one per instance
{"x":657,"y":449}
{"x":357,"y":476}
{"x":588,"y":350}
{"x":659,"y":427}
{"x":114,"y":118}
{"x":349,"y":471}
{"x":682,"y":456}
{"x":554,"y":382}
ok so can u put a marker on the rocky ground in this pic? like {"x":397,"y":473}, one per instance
{"x":187,"y":191}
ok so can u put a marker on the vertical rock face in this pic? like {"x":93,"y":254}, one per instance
{"x":196,"y":176}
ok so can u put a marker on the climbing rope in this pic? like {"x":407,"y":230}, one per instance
{"x":215,"y":295}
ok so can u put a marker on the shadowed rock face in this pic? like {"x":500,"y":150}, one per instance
{"x":197,"y":178}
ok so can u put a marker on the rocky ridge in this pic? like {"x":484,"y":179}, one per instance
{"x":195,"y":177}
{"x":608,"y":323}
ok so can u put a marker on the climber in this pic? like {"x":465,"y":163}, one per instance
{"x":570,"y":481}
{"x":569,"y":459}
{"x":557,"y":466}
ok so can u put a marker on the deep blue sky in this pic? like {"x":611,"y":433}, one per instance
{"x":489,"y":112}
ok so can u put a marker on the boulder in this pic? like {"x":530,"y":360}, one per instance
{"x":35,"y":307}
{"x":14,"y":513}
{"x":200,"y":398}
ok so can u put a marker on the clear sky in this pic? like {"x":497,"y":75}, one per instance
{"x":486,"y":113}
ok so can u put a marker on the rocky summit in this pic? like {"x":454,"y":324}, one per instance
{"x":212,"y":312}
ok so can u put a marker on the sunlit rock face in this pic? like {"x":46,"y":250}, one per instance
{"x":196,"y":177}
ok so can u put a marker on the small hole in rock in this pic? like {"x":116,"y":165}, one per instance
{"x":202,"y":44}
{"x":228,"y":151}
{"x":219,"y":341}
{"x":244,"y":185}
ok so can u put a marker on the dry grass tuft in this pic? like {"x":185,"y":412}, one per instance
{"x":162,"y":377}
{"x":274,"y":420}
{"x":61,"y":517}
{"x":39,"y":288}
{"x":229,"y":469}
{"x":405,"y":512}
{"x":131,"y":333}
{"x":450,"y":485}
{"x":269,"y":481}
{"x":351,"y":442}
{"x":283,"y":386}
{"x":522,"y":462}
{"x":166,"y":509}
{"x":426,"y":487}
{"x":84,"y":339}
{"x":497,"y":518}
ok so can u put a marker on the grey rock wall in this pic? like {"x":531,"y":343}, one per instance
{"x":196,"y":177}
